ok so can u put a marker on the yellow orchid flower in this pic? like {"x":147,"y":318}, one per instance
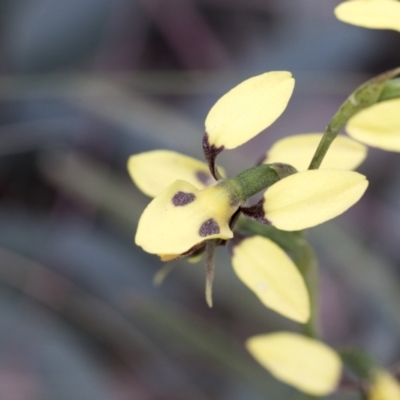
{"x":195,"y":206}
{"x":174,"y":221}
{"x":251,"y":106}
{"x":307,"y":364}
{"x":374,"y":14}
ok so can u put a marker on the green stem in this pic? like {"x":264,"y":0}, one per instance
{"x":360,"y":362}
{"x":259,"y":178}
{"x":304,"y":258}
{"x":391,"y":90}
{"x":375,"y":90}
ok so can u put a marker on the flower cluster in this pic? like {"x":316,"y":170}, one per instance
{"x":196,"y":208}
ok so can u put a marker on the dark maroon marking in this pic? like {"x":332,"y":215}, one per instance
{"x":182,"y":198}
{"x":210,"y":227}
{"x":210,"y":154}
{"x":204,"y":177}
{"x":256,"y":212}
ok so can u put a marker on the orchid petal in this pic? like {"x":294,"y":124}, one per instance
{"x":248,"y":109}
{"x":181,"y":217}
{"x":298,"y":150}
{"x":378,"y":125}
{"x":153,"y":171}
{"x":304,"y":363}
{"x":312,"y":197}
{"x":375,"y":14}
{"x":269,"y":272}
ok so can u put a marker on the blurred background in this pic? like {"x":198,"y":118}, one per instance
{"x":86,"y":83}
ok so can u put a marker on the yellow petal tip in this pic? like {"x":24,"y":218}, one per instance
{"x":248,"y":109}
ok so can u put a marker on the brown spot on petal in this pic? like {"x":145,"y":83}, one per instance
{"x":210,"y":227}
{"x":204,"y":177}
{"x":182,"y":198}
{"x":256,"y":212}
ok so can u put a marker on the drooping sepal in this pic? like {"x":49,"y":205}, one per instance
{"x":273,"y":277}
{"x":307,"y":364}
